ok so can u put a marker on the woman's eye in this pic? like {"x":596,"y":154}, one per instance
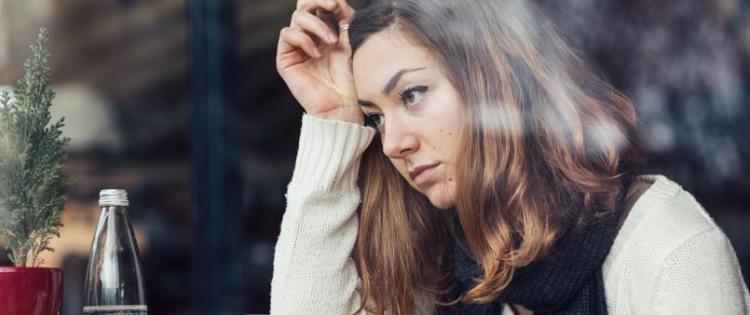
{"x":413,"y":95}
{"x":374,"y":120}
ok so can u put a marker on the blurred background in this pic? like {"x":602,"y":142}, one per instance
{"x":179,"y":102}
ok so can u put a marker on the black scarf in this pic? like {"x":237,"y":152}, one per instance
{"x":569,"y":281}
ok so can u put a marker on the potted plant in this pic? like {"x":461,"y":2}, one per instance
{"x":32,"y":189}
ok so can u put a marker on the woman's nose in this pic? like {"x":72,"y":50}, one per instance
{"x":398,"y":139}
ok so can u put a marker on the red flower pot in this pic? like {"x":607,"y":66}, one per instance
{"x":30,"y":291}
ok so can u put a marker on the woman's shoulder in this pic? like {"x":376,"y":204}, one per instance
{"x":668,"y":213}
{"x":668,"y":251}
{"x":664,"y":218}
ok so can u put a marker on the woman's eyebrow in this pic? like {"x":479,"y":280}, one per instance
{"x":394,"y":79}
{"x":366,"y":103}
{"x":390,"y":85}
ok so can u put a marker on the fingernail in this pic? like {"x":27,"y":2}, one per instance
{"x":331,"y":2}
{"x":332,"y":37}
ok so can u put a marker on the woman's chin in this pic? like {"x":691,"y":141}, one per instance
{"x":441,"y":194}
{"x":441,"y":200}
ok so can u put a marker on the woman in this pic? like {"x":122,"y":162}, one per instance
{"x":457,"y":157}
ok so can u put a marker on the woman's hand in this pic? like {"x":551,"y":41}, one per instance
{"x":314,"y":60}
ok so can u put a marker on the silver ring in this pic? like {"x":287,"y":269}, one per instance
{"x":343,"y":27}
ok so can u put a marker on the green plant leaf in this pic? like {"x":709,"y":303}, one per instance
{"x":33,"y":185}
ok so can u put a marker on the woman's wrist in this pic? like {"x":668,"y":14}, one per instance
{"x":328,"y":154}
{"x":350,"y":114}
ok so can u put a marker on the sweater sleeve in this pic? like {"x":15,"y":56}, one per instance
{"x":702,"y":276}
{"x":313,"y":272}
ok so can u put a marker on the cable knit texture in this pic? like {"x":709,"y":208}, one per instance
{"x":669,"y":257}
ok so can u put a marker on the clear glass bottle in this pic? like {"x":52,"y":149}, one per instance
{"x":114,"y":277}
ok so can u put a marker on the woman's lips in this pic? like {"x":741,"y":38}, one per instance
{"x":423,"y":174}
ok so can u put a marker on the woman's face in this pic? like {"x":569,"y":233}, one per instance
{"x":401,"y":88}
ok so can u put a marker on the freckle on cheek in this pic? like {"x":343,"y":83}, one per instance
{"x":450,"y":179}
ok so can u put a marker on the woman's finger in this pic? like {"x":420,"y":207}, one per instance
{"x":306,"y":21}
{"x":291,"y":39}
{"x":311,"y":5}
{"x":345,"y":12}
{"x":344,"y":40}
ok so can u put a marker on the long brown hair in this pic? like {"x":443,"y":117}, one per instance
{"x":546,"y":146}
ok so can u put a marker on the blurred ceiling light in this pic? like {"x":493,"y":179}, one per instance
{"x":89,"y":117}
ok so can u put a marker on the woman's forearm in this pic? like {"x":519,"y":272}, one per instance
{"x":313,"y":269}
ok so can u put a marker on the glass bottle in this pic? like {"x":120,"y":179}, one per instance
{"x":114,"y":277}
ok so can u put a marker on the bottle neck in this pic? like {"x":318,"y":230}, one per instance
{"x":114,"y":209}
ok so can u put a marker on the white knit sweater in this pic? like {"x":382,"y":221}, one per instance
{"x":669,"y":257}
